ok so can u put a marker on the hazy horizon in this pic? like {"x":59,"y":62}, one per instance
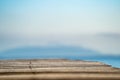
{"x":64,"y":27}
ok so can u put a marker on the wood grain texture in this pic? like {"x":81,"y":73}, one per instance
{"x":56,"y":69}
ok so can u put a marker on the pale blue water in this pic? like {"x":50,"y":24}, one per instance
{"x":62,"y":53}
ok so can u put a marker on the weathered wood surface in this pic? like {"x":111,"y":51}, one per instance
{"x":56,"y":69}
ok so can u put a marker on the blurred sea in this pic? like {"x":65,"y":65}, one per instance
{"x":60,"y":52}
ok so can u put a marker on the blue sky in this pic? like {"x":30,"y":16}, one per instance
{"x":90,"y":24}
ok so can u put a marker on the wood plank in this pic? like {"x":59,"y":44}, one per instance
{"x":56,"y":69}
